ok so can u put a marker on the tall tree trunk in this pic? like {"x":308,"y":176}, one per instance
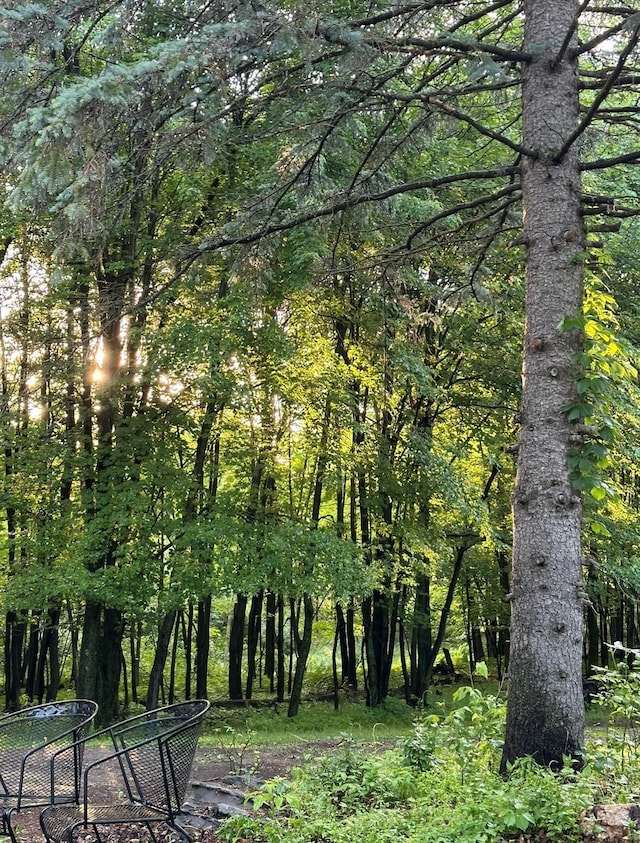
{"x":545,"y":710}
{"x":100,"y":655}
{"x":188,"y":655}
{"x":347,"y":645}
{"x":280,"y":669}
{"x":236,"y":646}
{"x":135,"y":640}
{"x":49,"y":654}
{"x":31,"y":657}
{"x":303,"y":645}
{"x":75,"y":644}
{"x":420,"y":649}
{"x":446,"y":609}
{"x":13,"y":641}
{"x":270,"y":640}
{"x":253,"y":639}
{"x":15,"y":622}
{"x":101,"y":659}
{"x":202,"y":646}
{"x":345,"y":622}
{"x":160,"y":656}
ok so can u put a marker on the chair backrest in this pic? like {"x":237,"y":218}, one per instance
{"x":28,"y":740}
{"x":156,"y":753}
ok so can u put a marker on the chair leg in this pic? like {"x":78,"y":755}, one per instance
{"x":180,"y":832}
{"x":6,"y":823}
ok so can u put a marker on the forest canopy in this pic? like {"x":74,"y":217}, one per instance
{"x":272,"y":320}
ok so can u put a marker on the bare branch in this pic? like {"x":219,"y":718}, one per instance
{"x":605,"y":163}
{"x":616,"y":211}
{"x":570,"y":34}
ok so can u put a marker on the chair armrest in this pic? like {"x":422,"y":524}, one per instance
{"x":125,"y":766}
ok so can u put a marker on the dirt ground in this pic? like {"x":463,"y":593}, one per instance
{"x":212,"y":764}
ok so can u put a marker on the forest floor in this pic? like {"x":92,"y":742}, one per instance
{"x":212,"y":766}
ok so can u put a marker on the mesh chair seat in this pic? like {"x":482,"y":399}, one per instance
{"x":29,"y":741}
{"x":63,"y":820}
{"x":148,"y":771}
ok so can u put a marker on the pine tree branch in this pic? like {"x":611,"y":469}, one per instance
{"x":479,"y":127}
{"x":614,"y":210}
{"x":511,"y":191}
{"x":354,"y":201}
{"x":570,"y":34}
{"x":588,"y":46}
{"x":461,"y":45}
{"x":600,"y":97}
{"x":605,"y":163}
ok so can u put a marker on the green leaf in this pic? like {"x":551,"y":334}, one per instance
{"x":598,"y":493}
{"x":482,"y":670}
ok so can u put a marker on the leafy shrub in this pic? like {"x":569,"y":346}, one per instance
{"x":440,"y":785}
{"x":469,"y":734}
{"x":615,"y":753}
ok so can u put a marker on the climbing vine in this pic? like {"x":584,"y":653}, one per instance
{"x":606,"y":374}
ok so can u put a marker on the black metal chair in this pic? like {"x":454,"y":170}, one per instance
{"x":147,"y":773}
{"x":29,"y":739}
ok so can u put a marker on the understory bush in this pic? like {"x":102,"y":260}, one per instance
{"x":615,"y":745}
{"x":441,"y":784}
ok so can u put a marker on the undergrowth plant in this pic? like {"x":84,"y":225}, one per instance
{"x":234,"y":747}
{"x":439,"y":785}
{"x":615,"y":752}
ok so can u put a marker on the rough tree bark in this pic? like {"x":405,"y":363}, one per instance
{"x":545,"y":711}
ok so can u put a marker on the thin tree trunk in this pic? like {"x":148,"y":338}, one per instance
{"x":124,"y":673}
{"x":31,"y":656}
{"x":421,"y":643}
{"x":75,"y":649}
{"x":270,"y":640}
{"x":303,"y":645}
{"x":179,"y":630}
{"x":188,"y":655}
{"x":281,"y":672}
{"x":253,"y":639}
{"x":134,"y":651}
{"x":159,"y":659}
{"x":202,"y":646}
{"x":49,"y":654}
{"x":236,"y":647}
{"x":87,"y":684}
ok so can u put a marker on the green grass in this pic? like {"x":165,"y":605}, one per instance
{"x":315,"y":721}
{"x":318,"y":721}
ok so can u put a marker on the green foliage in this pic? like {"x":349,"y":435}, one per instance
{"x":468,"y":735}
{"x":440,"y":784}
{"x":617,"y":753}
{"x":606,"y":373}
